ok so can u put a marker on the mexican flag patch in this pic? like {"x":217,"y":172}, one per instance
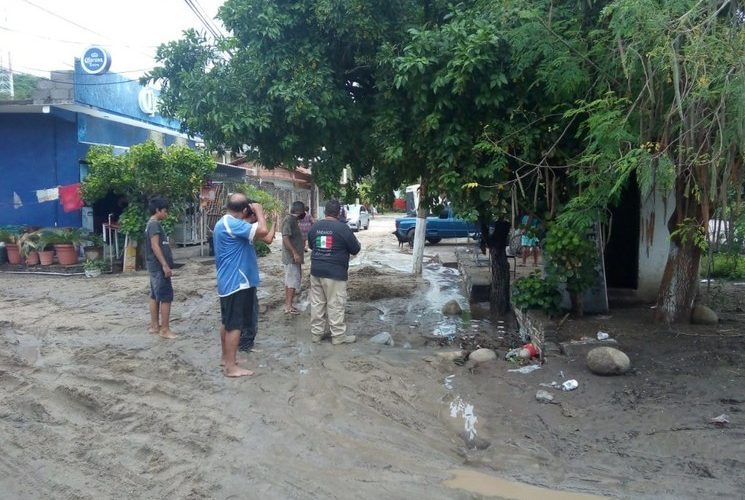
{"x":324,"y":242}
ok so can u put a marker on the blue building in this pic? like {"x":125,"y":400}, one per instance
{"x":44,"y":141}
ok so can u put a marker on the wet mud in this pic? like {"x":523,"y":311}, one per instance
{"x":92,"y":406}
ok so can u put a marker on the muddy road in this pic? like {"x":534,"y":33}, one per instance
{"x":92,"y":406}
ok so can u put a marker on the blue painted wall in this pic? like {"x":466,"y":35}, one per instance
{"x":117,"y":94}
{"x":37,"y":151}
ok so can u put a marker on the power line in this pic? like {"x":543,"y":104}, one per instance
{"x":203,"y":19}
{"x":73,"y":42}
{"x":54,"y":14}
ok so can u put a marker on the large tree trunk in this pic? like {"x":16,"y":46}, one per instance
{"x":497,"y":240}
{"x":679,"y":283}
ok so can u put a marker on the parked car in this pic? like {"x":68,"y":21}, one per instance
{"x":357,"y":217}
{"x":439,"y":227}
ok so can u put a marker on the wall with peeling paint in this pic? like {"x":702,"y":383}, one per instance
{"x":654,"y":243}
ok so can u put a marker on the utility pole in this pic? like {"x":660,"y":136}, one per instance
{"x":6,"y":70}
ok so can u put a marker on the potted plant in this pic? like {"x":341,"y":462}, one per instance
{"x":93,"y":267}
{"x":10,"y":236}
{"x":46,"y":247}
{"x":93,"y":247}
{"x":28,"y":245}
{"x":66,"y":243}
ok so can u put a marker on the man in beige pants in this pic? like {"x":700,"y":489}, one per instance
{"x":332,"y":243}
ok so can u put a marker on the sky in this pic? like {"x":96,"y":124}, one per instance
{"x":39,"y":36}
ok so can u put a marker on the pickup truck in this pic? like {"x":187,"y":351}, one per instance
{"x":438,"y":227}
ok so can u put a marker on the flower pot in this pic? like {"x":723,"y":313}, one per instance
{"x":32,"y":259}
{"x":14,"y":253}
{"x":67,"y":254}
{"x":46,"y":257}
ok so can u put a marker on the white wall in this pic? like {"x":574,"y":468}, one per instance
{"x":654,"y":243}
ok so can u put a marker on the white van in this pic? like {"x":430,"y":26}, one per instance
{"x":357,"y":217}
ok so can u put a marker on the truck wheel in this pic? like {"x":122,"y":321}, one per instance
{"x":434,"y":240}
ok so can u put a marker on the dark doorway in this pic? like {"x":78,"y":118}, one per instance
{"x":111,"y":205}
{"x":622,"y":251}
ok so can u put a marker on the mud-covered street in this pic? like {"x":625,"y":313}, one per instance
{"x":92,"y":406}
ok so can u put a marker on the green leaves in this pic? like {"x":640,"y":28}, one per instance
{"x":176,"y":172}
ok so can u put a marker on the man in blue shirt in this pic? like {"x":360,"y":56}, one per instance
{"x":237,"y":274}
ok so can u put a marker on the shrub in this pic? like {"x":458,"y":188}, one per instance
{"x":536,"y":292}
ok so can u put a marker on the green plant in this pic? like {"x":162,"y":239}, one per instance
{"x":94,"y":240}
{"x":68,"y":236}
{"x":262,"y":249}
{"x":94,"y":264}
{"x":270,"y":204}
{"x":724,"y":265}
{"x":29,"y":242}
{"x":571,"y":258}
{"x":536,"y":292}
{"x":9,"y":234}
{"x":46,"y":240}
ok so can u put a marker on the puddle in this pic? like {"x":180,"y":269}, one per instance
{"x":448,"y":382}
{"x":489,"y":486}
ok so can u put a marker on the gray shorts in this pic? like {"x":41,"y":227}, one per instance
{"x":293,"y":275}
{"x":161,"y":288}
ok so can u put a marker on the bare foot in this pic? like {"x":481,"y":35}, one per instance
{"x":235,"y":371}
{"x":238,"y":361}
{"x":153,"y":329}
{"x":168,"y":334}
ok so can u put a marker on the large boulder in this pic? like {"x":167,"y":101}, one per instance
{"x":451,"y":308}
{"x":704,"y":315}
{"x":482,"y":356}
{"x":607,"y":361}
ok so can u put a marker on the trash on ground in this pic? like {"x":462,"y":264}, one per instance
{"x":720,"y":421}
{"x":603,"y":336}
{"x":525,"y":369}
{"x":544,"y":396}
{"x":383,"y":338}
{"x":569,"y":385}
{"x":527,"y":351}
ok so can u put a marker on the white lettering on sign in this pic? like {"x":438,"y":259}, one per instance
{"x":148,"y":101}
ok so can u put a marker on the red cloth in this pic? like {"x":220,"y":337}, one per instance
{"x":70,"y":197}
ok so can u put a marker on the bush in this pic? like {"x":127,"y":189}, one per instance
{"x":724,"y":265}
{"x":536,"y":292}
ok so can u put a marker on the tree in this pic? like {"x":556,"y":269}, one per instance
{"x":296,"y":81}
{"x":176,"y":172}
{"x":23,"y":86}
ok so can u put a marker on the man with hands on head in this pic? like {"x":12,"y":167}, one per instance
{"x":237,"y":274}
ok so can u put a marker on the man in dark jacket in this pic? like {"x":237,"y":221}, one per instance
{"x":332,"y":243}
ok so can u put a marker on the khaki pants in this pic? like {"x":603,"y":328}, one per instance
{"x":328,"y":298}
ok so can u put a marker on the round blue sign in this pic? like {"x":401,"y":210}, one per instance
{"x":95,"y":61}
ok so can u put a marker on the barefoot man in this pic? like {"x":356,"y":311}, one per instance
{"x":237,"y":274}
{"x":159,"y":265}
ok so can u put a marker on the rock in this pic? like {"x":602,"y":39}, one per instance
{"x":450,"y":355}
{"x":452,"y":308}
{"x":482,"y":356}
{"x":580,"y":348}
{"x":383,"y":338}
{"x":607,"y":361}
{"x":704,"y":315}
{"x":544,"y":396}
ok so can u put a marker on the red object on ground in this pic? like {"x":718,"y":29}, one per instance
{"x":399,"y":203}
{"x":70,"y":197}
{"x":532,"y":349}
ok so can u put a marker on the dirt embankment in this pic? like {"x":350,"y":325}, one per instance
{"x":92,"y":406}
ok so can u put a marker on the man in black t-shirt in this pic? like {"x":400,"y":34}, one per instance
{"x":331,"y":242}
{"x":159,"y":265}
